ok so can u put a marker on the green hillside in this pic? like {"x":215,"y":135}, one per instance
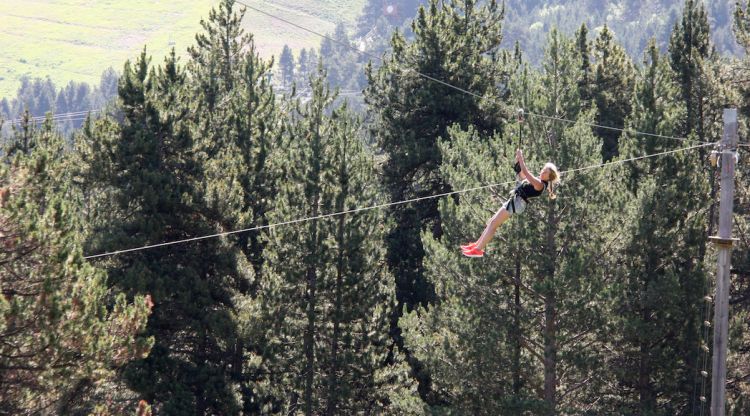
{"x":78,"y":39}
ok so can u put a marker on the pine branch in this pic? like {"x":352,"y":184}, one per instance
{"x":524,"y":343}
{"x":576,"y":387}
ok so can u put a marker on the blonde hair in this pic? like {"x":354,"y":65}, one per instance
{"x":554,"y":179}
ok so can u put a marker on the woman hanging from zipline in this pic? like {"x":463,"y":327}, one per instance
{"x":530,"y":186}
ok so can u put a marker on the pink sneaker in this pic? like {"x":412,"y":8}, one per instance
{"x":469,"y":246}
{"x":474,"y":252}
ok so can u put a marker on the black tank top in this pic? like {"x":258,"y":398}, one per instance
{"x":526,"y":190}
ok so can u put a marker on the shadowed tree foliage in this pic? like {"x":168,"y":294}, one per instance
{"x":148,"y":170}
{"x":235,"y":121}
{"x":658,"y":313}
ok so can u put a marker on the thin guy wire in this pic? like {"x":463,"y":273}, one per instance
{"x":640,"y":133}
{"x":363,"y":53}
{"x":60,"y":121}
{"x":379,"y":206}
{"x":56,"y":116}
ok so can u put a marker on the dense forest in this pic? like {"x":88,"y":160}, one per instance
{"x":71,"y":104}
{"x":526,"y":22}
{"x":214,"y":243}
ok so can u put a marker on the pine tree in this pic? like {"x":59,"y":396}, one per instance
{"x":567,"y":260}
{"x":311,"y":64}
{"x":584,"y":50}
{"x":689,"y":48}
{"x":61,"y":104}
{"x":152,"y":173}
{"x":237,"y":122}
{"x":663,"y":282}
{"x":23,"y":140}
{"x":236,"y":118}
{"x":37,"y":96}
{"x":5,"y":110}
{"x":346,"y":70}
{"x":532,"y":312}
{"x":456,"y":42}
{"x":467,"y":341}
{"x":108,"y":84}
{"x":286,"y":64}
{"x":64,"y":336}
{"x":328,"y":298}
{"x":303,"y":70}
{"x":703,"y":95}
{"x":612,"y":89}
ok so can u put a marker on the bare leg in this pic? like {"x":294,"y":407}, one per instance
{"x":496,"y":221}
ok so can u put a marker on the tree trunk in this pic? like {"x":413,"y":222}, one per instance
{"x":333,"y":375}
{"x":332,"y":380}
{"x":311,"y":261}
{"x":550,"y":319}
{"x":309,"y":339}
{"x":647,"y":399}
{"x":201,"y":406}
{"x":516,"y":370}
{"x":550,"y":353}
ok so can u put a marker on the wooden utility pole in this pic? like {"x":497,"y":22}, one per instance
{"x":723,"y":243}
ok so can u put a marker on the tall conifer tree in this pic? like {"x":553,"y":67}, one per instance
{"x":584,"y":50}
{"x":689,"y":47}
{"x":527,"y":321}
{"x":738,"y":389}
{"x":149,"y":168}
{"x":455,"y":42}
{"x":235,"y":116}
{"x":658,"y":312}
{"x":286,"y":64}
{"x":612,"y":89}
{"x":328,"y":297}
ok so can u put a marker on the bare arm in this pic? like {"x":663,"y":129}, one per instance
{"x":533,"y":180}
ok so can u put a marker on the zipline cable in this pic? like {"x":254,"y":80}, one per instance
{"x":446,"y":84}
{"x":379,"y":206}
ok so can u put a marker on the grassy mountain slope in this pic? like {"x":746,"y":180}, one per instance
{"x":78,"y":39}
